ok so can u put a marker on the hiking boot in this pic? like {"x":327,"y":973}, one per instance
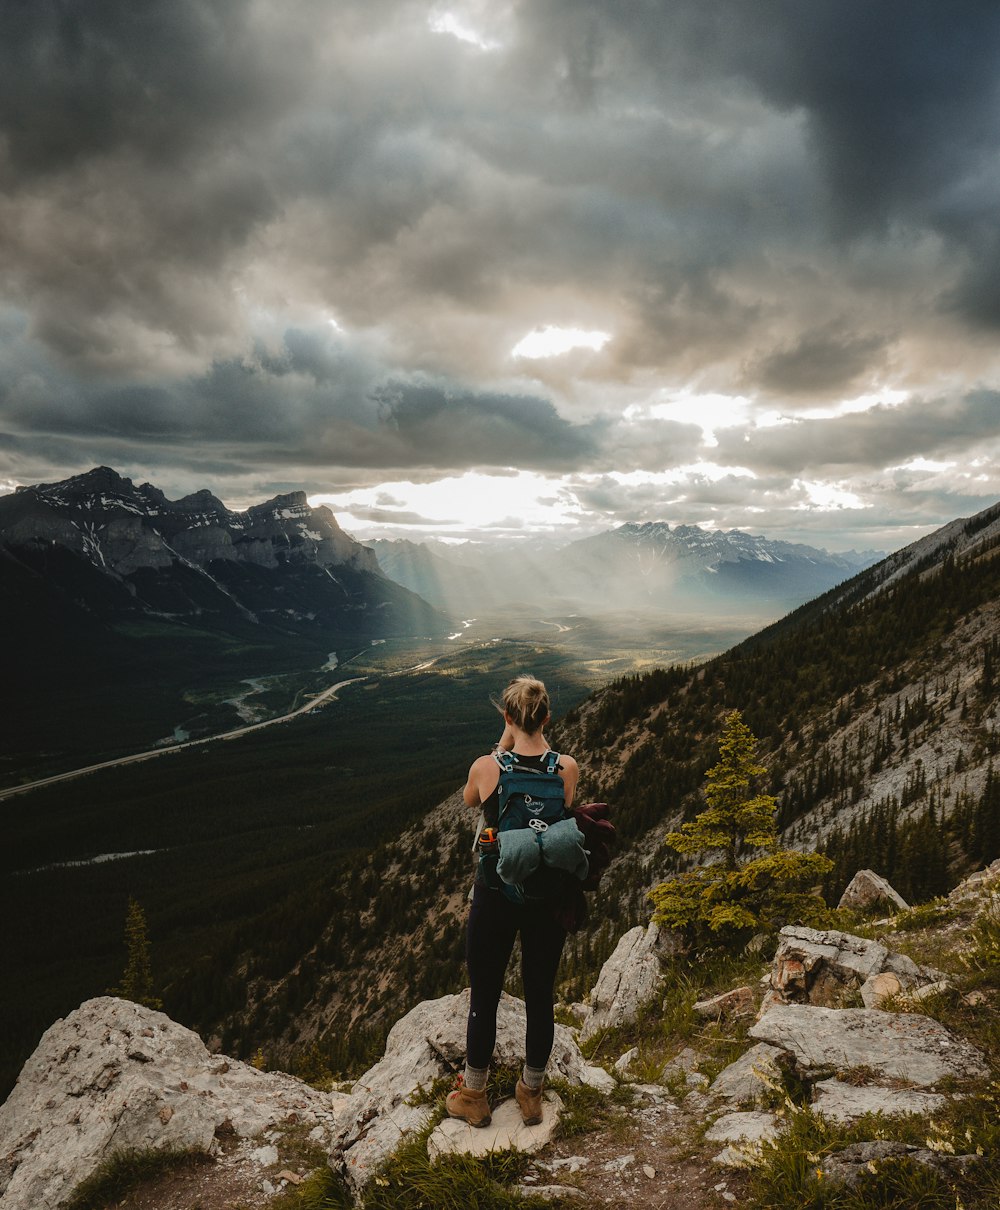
{"x":529,"y":1101}
{"x":470,"y":1104}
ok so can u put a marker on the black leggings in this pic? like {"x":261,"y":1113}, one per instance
{"x":494,"y":923}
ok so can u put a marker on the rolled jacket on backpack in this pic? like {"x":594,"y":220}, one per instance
{"x":560,"y":846}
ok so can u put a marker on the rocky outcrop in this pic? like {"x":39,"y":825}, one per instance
{"x":113,"y":1076}
{"x":630,"y":978}
{"x":900,"y":1046}
{"x":424,"y":1046}
{"x":829,"y":969}
{"x":868,"y":890}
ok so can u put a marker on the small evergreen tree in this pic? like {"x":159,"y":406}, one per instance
{"x":752,"y":884}
{"x":137,"y":981}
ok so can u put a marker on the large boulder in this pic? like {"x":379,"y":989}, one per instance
{"x":868,"y":890}
{"x":425,"y":1045}
{"x":903,"y":1046}
{"x":828,"y":968}
{"x":114,"y":1076}
{"x":630,"y":978}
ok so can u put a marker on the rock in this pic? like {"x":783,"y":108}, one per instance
{"x":265,"y":1156}
{"x":625,"y":1062}
{"x":855,"y":1162}
{"x":619,"y":1164}
{"x":426,"y":1044}
{"x":735,"y":1003}
{"x":506,"y":1132}
{"x":743,"y":1128}
{"x":906,"y":1046}
{"x":80,"y":1099}
{"x":597,"y":1077}
{"x":747,"y":1131}
{"x":572,"y":1163}
{"x":828,"y":968}
{"x":684,"y":1061}
{"x":867,"y":890}
{"x":876,"y":989}
{"x":630,"y":978}
{"x":746,"y":1079}
{"x":654,"y":1093}
{"x":975,"y":998}
{"x":844,"y":1102}
{"x":649,"y":1170}
{"x":293,"y":1178}
{"x":928,"y":991}
{"x":550,"y":1191}
{"x":977,"y":886}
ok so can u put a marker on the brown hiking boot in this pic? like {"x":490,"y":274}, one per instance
{"x":529,"y":1101}
{"x":470,"y":1104}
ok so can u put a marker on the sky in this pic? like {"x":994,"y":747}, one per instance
{"x":504,"y":266}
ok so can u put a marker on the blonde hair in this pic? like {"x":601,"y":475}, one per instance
{"x":526,"y":701}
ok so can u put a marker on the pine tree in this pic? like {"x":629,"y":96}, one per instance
{"x":752,"y":883}
{"x":137,"y":981}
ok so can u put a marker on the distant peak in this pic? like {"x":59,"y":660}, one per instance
{"x":201,"y":500}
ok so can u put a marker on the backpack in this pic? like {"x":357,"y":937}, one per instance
{"x":527,"y":797}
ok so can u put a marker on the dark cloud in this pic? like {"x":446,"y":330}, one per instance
{"x":830,"y":360}
{"x":871,"y":440}
{"x":305,"y":237}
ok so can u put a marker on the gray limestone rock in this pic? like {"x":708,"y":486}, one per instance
{"x":854,"y":1163}
{"x":629,"y":979}
{"x":743,"y":1133}
{"x":747,"y":1079}
{"x":844,"y":1102}
{"x":743,"y":1127}
{"x":867,"y":890}
{"x":114,"y":1076}
{"x":904,"y":1046}
{"x":506,"y":1132}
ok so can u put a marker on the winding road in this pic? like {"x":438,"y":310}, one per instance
{"x":313,"y":703}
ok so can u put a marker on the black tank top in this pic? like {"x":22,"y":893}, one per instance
{"x":491,"y":807}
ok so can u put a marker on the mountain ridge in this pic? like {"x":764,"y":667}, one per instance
{"x":649,"y":566}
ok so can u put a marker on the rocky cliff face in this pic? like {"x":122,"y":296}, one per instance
{"x":120,"y":527}
{"x":113,"y":547}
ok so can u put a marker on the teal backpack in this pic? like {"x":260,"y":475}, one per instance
{"x":528,"y":798}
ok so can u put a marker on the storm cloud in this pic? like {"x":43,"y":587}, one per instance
{"x":297,"y":243}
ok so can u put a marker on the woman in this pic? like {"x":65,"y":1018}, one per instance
{"x":495,"y":921}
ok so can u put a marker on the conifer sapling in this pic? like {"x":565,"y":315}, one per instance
{"x":750,"y":882}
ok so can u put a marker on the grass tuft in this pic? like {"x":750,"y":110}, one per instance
{"x":126,"y":1170}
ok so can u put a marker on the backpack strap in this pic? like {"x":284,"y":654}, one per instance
{"x":551,"y":761}
{"x":506,"y":760}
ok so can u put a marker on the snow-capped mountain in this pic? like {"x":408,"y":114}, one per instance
{"x":651,"y":566}
{"x":114,"y":547}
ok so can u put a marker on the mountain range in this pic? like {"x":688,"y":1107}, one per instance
{"x":650,"y":567}
{"x":127,"y":615}
{"x":117,"y":549}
